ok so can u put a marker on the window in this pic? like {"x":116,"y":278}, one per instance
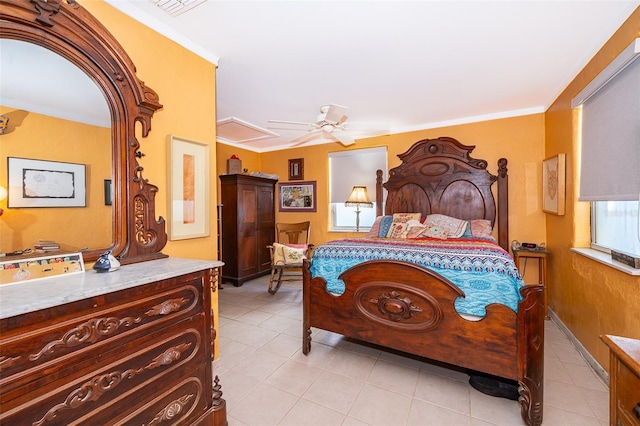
{"x":615,"y":226}
{"x":346,"y":170}
{"x":610,"y":144}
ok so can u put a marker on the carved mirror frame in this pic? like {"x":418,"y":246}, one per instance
{"x":71,"y":31}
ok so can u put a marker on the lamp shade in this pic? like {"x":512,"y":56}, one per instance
{"x":359,"y":197}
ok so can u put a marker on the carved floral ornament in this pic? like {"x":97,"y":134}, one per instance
{"x":99,"y":385}
{"x":395,"y":306}
{"x":413,"y":310}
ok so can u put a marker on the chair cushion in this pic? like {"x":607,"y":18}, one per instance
{"x":289,"y":254}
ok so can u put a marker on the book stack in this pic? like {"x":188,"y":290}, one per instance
{"x":46,"y":246}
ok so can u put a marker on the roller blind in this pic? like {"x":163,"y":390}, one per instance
{"x":610,"y":160}
{"x":355,"y":168}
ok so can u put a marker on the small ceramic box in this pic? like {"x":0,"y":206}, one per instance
{"x":234,"y":166}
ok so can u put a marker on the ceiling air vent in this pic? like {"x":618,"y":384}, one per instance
{"x":237,"y":131}
{"x":176,"y":7}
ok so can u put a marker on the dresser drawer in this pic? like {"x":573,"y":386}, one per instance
{"x":627,"y":395}
{"x":175,"y":405}
{"x":122,"y":382}
{"x":98,"y":322}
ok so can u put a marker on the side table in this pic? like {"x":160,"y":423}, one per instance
{"x":541,"y":256}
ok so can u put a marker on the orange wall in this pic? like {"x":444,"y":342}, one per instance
{"x":590,"y":298}
{"x":41,"y":137}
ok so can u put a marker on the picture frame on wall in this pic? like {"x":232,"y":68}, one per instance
{"x":43,"y":183}
{"x":553,"y":185}
{"x":296,"y":169}
{"x":297,"y":196}
{"x":188,"y":183}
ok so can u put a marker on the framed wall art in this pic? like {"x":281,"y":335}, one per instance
{"x":553,"y":185}
{"x":41,"y":183}
{"x":297,"y":196}
{"x":188,"y":183}
{"x":296,"y":169}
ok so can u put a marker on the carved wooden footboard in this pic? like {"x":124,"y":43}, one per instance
{"x":406,"y":307}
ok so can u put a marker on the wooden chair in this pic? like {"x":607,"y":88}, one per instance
{"x":287,"y":253}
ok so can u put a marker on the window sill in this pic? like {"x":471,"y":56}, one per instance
{"x":605,"y":259}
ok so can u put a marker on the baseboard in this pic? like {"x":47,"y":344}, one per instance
{"x":601,"y":372}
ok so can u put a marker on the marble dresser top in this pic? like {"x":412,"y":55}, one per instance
{"x":30,"y":296}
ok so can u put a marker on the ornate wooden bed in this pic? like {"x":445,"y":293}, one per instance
{"x":407,"y":307}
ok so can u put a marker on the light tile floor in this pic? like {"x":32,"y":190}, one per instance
{"x":266,"y":380}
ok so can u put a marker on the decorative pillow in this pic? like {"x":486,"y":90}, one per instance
{"x":480,"y":228}
{"x":399,"y":223}
{"x":453,"y":227}
{"x":385,"y":224}
{"x":432,"y":230}
{"x":413,"y":223}
{"x":374,"y":232}
{"x":406,"y":217}
{"x":414,"y":227}
{"x":289,"y":254}
{"x":428,"y":230}
{"x":413,"y":232}
{"x":467,"y":230}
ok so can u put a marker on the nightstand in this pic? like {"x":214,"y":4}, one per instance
{"x":624,"y":380}
{"x":541,"y":256}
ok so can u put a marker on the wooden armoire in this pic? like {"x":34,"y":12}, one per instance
{"x":248,"y":226}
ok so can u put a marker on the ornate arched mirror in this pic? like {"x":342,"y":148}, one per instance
{"x":66,"y":29}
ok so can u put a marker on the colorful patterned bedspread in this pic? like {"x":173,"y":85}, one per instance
{"x":479,"y":267}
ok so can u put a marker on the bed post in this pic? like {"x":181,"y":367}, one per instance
{"x":306,"y":307}
{"x":531,"y":353}
{"x":503,"y":204}
{"x":379,"y":199}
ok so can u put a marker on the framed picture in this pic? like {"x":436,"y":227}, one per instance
{"x":188,"y":183}
{"x":297,"y":196}
{"x":296,"y":169}
{"x":553,"y":185}
{"x":40,"y":183}
{"x":108,"y":192}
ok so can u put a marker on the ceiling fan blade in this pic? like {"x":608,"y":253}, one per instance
{"x":342,"y":120}
{"x":297,"y":123}
{"x":307,"y":137}
{"x":341,"y":136}
{"x":336,"y":114}
{"x":295,"y":129}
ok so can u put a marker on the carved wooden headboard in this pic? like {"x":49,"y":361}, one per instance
{"x":440,"y":176}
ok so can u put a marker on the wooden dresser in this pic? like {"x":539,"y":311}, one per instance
{"x":248,"y":226}
{"x":133,"y":346}
{"x":624,"y":380}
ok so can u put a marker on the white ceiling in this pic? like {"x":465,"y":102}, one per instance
{"x":409,"y":64}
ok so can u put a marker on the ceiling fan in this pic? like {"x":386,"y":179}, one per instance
{"x":330,"y":124}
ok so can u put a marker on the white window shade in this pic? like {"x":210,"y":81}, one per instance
{"x":355,"y":168}
{"x":610,"y":167}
